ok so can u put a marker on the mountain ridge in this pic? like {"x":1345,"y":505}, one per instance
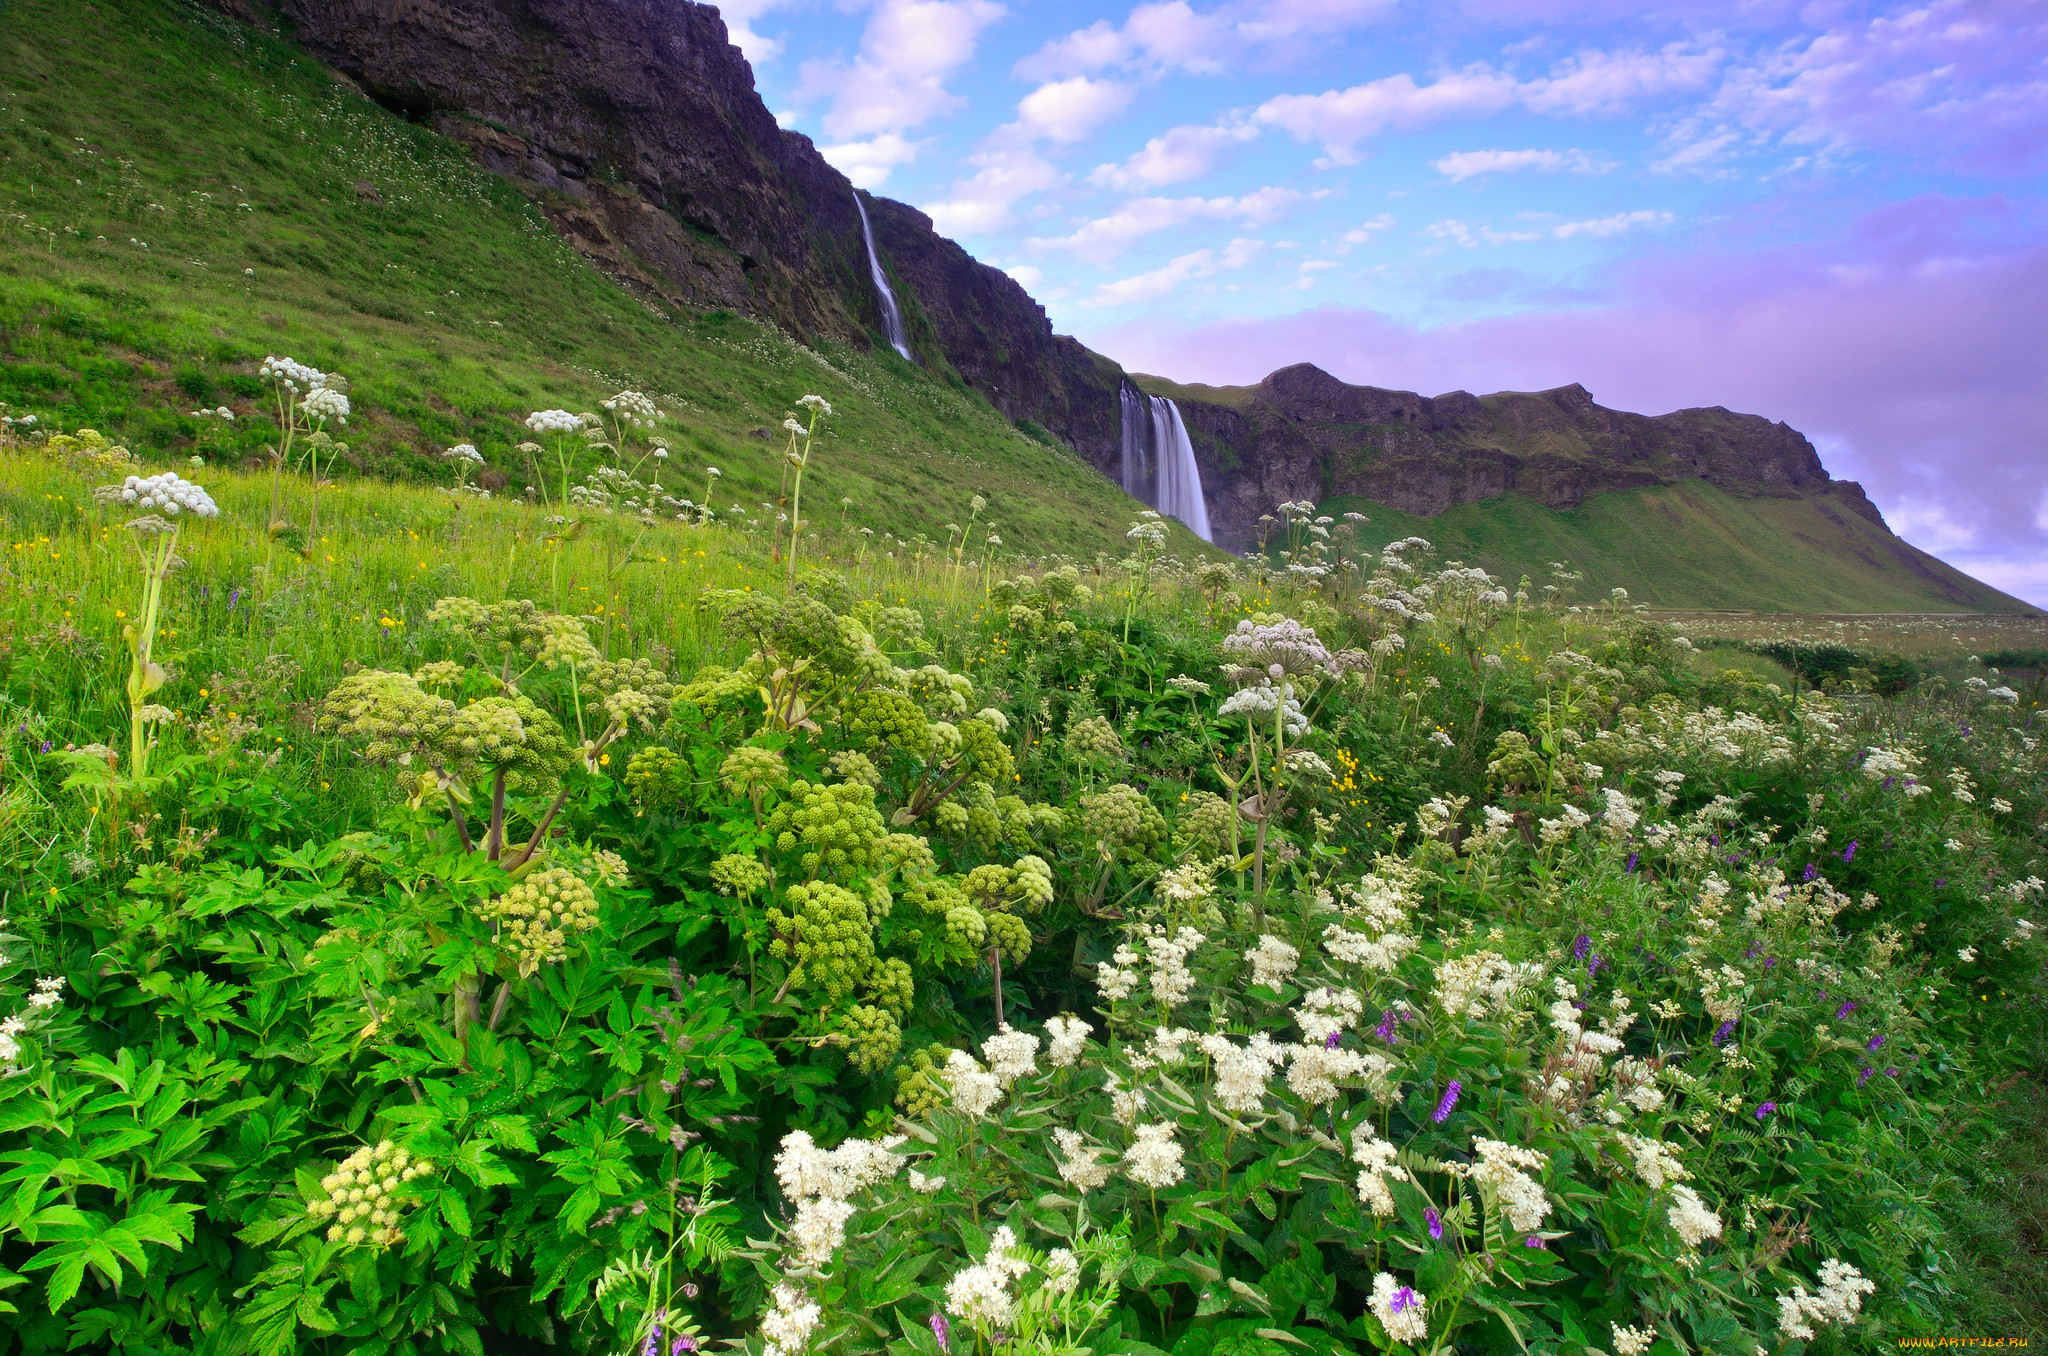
{"x":634,"y":126}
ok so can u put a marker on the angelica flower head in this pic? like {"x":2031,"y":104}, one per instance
{"x":167,"y":493}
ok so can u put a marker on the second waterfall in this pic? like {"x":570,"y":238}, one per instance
{"x":1159,"y":461}
{"x":892,"y":314}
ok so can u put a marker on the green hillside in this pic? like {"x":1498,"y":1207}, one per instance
{"x":1691,"y":545}
{"x":166,"y":233}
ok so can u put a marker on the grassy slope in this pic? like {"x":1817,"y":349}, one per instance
{"x":1687,"y":545}
{"x":450,"y":303}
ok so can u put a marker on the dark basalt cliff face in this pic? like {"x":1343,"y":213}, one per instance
{"x":1303,"y":434}
{"x":636,"y":126}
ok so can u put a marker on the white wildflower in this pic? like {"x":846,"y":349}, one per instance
{"x":1154,"y":1159}
{"x":1273,"y":962}
{"x":1068,"y":1037}
{"x":1401,"y":1309}
{"x":1010,"y":1054}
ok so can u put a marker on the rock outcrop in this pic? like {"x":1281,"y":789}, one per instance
{"x":636,"y":127}
{"x":1303,"y":434}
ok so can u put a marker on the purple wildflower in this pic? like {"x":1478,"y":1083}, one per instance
{"x":1864,"y":1077}
{"x":1434,"y":1221}
{"x":1630,"y":868}
{"x":1769,"y":961}
{"x":1766,"y":1109}
{"x":1330,"y":1041}
{"x":1450,"y":1099}
{"x":1385,"y":1030}
{"x":1404,"y":1300}
{"x":1849,"y":852}
{"x":1811,"y":872}
{"x":47,"y":746}
{"x":1532,"y":1241}
{"x":1875,"y":1042}
{"x":941,"y":1330}
{"x":1580,"y":947}
{"x":1891,"y":1073}
{"x":1940,"y":882}
{"x":683,"y":1344}
{"x":1887,"y":784}
{"x":1595,"y":964}
{"x":233,"y":598}
{"x":1722,"y":1032}
{"x":653,"y":1347}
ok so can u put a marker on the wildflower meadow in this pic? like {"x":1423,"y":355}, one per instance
{"x":596,"y":916}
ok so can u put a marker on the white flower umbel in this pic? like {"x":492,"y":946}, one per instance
{"x":1325,"y":1012}
{"x":1117,"y":979}
{"x":1376,"y":1159}
{"x":1067,"y":1037}
{"x":787,"y":1327}
{"x":975,"y":1091}
{"x":323,"y":404}
{"x":819,"y":1230}
{"x":1079,"y":1168}
{"x":1500,"y":1174}
{"x":1314,"y":1070}
{"x":167,"y":493}
{"x":1631,"y":1341}
{"x":1401,"y":1309}
{"x":1840,"y":1300}
{"x":1691,"y":1218}
{"x":1011,"y":1055}
{"x":1242,"y":1072}
{"x":554,"y":421}
{"x":1273,"y":962}
{"x":980,"y":1294}
{"x":1154,"y":1159}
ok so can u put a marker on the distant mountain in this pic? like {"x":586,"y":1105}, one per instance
{"x":1712,"y":508}
{"x":634,"y":125}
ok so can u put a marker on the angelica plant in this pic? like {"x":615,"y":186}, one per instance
{"x":161,"y":500}
{"x":799,"y":462}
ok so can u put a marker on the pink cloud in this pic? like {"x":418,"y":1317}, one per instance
{"x":1910,"y":352}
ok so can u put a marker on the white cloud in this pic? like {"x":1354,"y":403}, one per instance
{"x":1589,"y":82}
{"x":1174,"y":36}
{"x":1611,"y":225}
{"x":1100,"y":241}
{"x":1459,"y":166}
{"x":1006,"y":173}
{"x":1340,"y":119}
{"x":1456,"y":232}
{"x":868,"y":162}
{"x":1174,"y":156}
{"x":1028,"y":276}
{"x":897,"y":81}
{"x":1608,"y":82}
{"x":739,"y":16}
{"x":1159,"y":282}
{"x":1366,"y":233}
{"x":1068,"y":110}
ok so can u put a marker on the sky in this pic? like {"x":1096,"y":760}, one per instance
{"x":1834,"y":214}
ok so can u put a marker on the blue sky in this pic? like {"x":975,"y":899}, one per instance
{"x":1828,"y":213}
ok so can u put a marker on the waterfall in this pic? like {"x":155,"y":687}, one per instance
{"x":892,"y":315}
{"x":1159,"y":461}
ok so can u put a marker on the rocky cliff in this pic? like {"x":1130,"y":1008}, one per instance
{"x":635,"y":125}
{"x":1303,"y":434}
